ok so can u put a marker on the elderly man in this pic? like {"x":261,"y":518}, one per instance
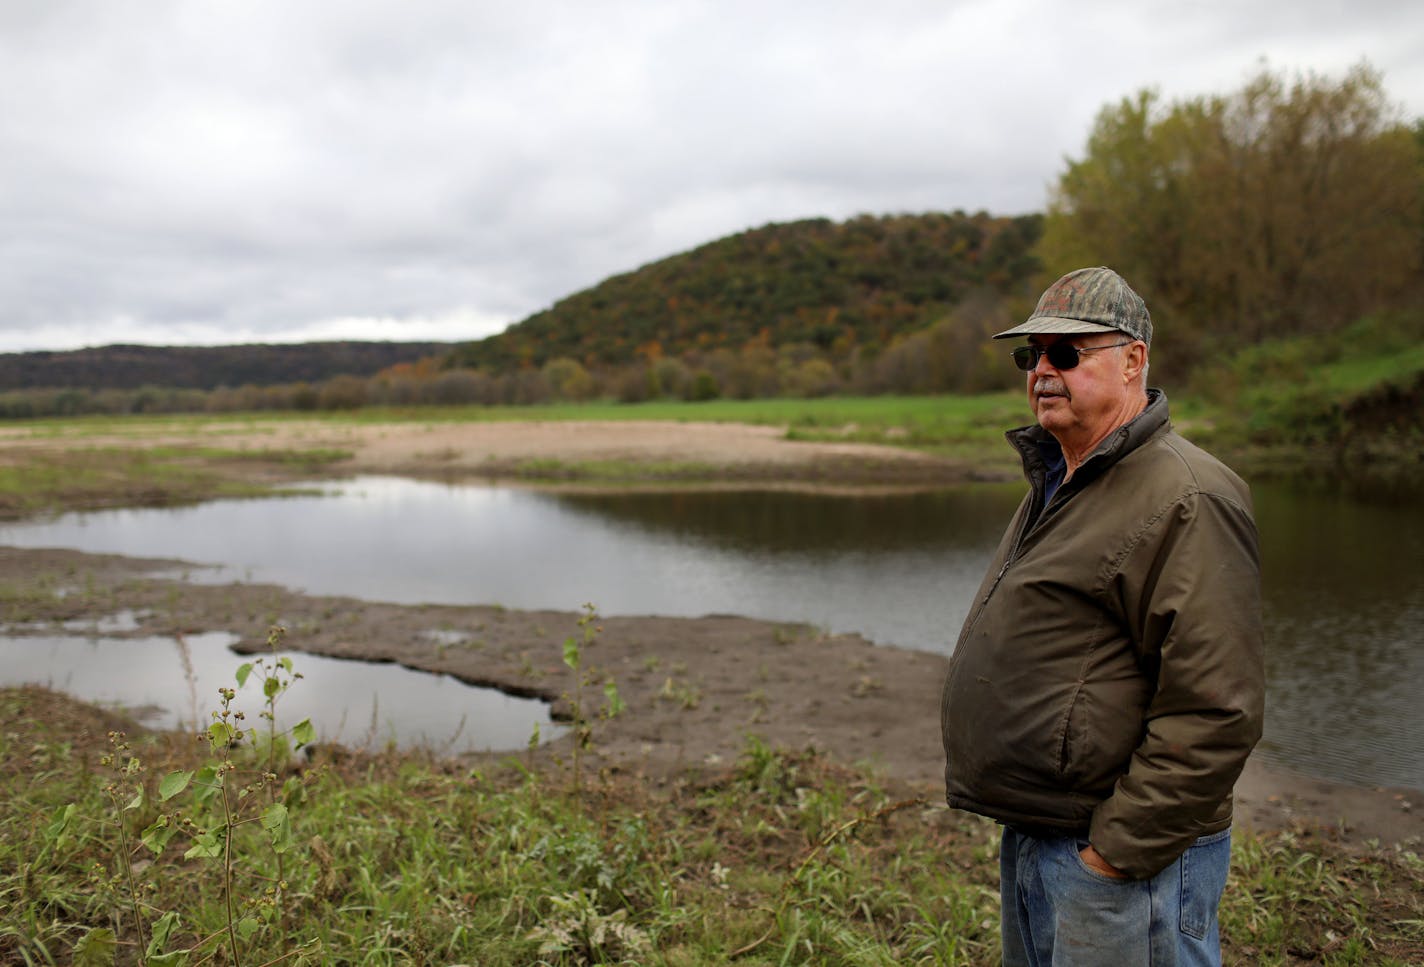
{"x":1108,"y":685}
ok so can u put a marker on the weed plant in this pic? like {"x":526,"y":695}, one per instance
{"x":586,"y":675}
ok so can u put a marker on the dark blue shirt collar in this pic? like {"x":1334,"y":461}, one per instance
{"x":1054,"y":465}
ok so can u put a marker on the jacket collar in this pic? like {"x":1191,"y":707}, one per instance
{"x":1032,"y":440}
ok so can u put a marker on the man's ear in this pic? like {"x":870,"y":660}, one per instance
{"x":1134,"y":361}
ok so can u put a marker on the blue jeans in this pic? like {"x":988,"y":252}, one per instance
{"x":1057,"y":912}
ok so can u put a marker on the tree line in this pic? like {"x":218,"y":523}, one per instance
{"x":205,"y":367}
{"x":1292,"y":207}
{"x":946,"y":357}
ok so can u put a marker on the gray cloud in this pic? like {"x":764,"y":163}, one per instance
{"x":178,"y":172}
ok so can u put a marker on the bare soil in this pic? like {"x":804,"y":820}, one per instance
{"x":695,"y":688}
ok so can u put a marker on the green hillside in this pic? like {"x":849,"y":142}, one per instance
{"x":830,"y":285}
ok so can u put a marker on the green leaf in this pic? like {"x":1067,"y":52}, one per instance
{"x":220,"y":735}
{"x":59,"y":824}
{"x":286,"y":663}
{"x":206,"y":846}
{"x":243,"y":671}
{"x":206,"y":784}
{"x":271,"y":686}
{"x":246,"y":927}
{"x":615,"y":701}
{"x":304,"y":733}
{"x":96,"y":948}
{"x":136,"y":801}
{"x":571,"y":652}
{"x":172,"y":784}
{"x":294,"y":792}
{"x":274,"y":815}
{"x":278,"y":823}
{"x":160,"y":931}
{"x":157,"y":835}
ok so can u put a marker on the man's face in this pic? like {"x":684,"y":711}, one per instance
{"x":1081,"y":405}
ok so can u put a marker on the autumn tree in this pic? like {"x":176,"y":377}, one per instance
{"x":567,"y":379}
{"x":1288,"y":206}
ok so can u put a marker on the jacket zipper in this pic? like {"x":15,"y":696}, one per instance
{"x":1008,"y":562}
{"x":1026,"y":529}
{"x":1037,"y":485}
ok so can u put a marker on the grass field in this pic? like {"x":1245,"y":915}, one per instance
{"x":779,"y":858}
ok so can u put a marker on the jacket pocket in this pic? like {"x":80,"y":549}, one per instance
{"x":1069,"y":737}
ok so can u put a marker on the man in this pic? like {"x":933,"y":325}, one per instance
{"x":1108,"y":683}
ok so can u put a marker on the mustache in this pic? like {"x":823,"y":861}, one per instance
{"x":1050,"y":385}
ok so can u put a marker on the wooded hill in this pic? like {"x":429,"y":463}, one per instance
{"x":205,"y":367}
{"x":834,"y":286}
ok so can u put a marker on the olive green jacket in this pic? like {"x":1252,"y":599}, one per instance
{"x":1109,"y":681}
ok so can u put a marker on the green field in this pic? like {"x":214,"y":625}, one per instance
{"x":124,"y":850}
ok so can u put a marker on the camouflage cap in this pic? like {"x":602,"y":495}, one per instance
{"x":1088,"y":300}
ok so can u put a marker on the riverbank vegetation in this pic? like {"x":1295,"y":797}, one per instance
{"x":781,"y":857}
{"x":87,"y":477}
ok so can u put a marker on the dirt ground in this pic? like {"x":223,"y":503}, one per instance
{"x":695,"y":688}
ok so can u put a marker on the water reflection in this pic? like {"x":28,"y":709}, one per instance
{"x":1343,"y":595}
{"x":899,"y":570}
{"x":812,"y":523}
{"x":1344,"y":604}
{"x":354,"y":703}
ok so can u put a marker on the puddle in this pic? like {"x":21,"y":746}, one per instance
{"x":147,"y":677}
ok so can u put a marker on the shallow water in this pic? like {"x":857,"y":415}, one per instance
{"x":1344,"y":597}
{"x":357,"y":704}
{"x":898,"y":569}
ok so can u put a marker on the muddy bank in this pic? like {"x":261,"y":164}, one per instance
{"x":695,"y":688}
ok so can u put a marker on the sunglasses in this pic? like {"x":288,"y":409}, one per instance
{"x":1062,"y":355}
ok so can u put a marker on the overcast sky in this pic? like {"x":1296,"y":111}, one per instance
{"x":199,"y":172}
